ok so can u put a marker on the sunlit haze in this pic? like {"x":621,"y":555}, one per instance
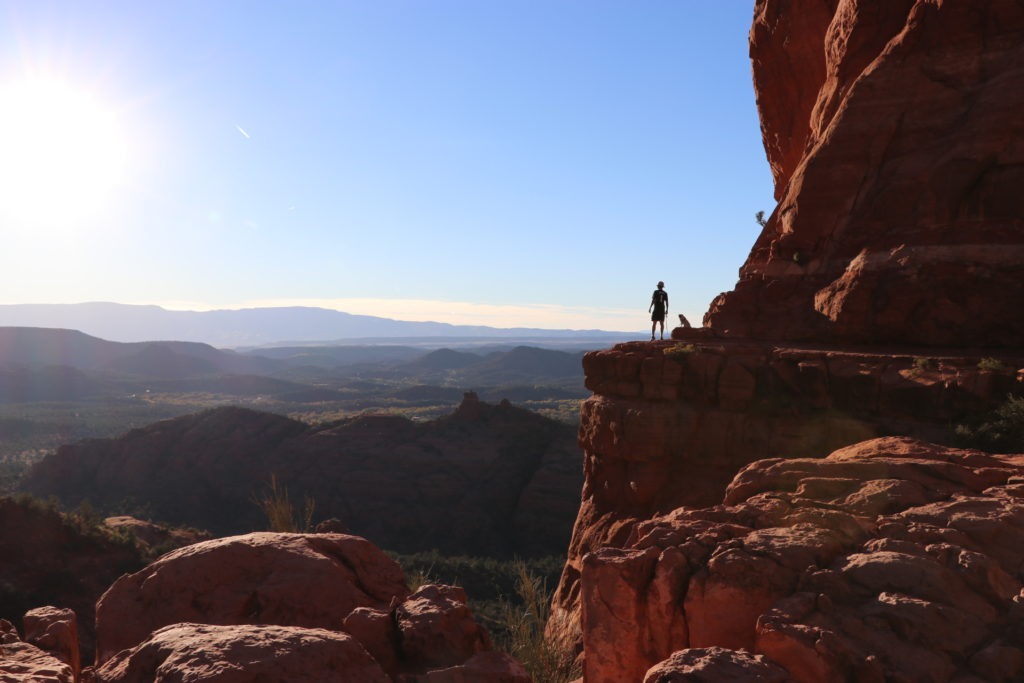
{"x":502,"y":163}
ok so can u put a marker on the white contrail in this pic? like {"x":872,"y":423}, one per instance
{"x":242,"y":131}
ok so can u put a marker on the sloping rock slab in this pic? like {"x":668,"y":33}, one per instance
{"x":199,"y":653}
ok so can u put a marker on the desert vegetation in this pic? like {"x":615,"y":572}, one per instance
{"x":1001,"y":431}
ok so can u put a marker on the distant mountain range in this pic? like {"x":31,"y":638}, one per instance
{"x":252,"y":327}
{"x":40,"y":364}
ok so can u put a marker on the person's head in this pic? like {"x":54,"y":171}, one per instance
{"x":661,"y":285}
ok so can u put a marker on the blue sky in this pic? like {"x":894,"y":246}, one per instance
{"x":502,"y":162}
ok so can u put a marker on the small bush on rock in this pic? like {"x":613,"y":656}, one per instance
{"x":1000,"y":432}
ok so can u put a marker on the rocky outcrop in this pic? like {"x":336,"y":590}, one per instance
{"x":892,"y":559}
{"x":55,"y":630}
{"x":670,"y":423}
{"x":153,"y":539}
{"x":891,"y":132}
{"x":243,"y":654}
{"x":24,"y":662}
{"x":324,"y":607}
{"x":261,"y":578}
{"x":487,"y":480}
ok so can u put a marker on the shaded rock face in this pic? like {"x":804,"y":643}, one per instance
{"x":488,"y":480}
{"x":892,"y":559}
{"x":893,"y":134}
{"x":45,"y":559}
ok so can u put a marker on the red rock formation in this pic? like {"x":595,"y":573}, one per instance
{"x":151,"y":538}
{"x":55,"y":631}
{"x":242,"y":654}
{"x":22,"y":662}
{"x":892,"y":130}
{"x":246,"y":608}
{"x":715,"y":665}
{"x":436,"y":628}
{"x":892,"y":559}
{"x":47,"y":558}
{"x":262,"y":578}
{"x":669,"y":424}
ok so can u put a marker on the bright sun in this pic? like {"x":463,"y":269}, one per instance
{"x":62,"y":154}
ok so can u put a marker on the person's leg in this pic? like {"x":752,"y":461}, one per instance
{"x":653,"y":325}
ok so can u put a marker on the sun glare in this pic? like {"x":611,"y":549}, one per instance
{"x":62,"y":154}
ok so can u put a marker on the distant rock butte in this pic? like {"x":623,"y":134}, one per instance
{"x":893,"y":133}
{"x":893,"y":559}
{"x":502,"y":480}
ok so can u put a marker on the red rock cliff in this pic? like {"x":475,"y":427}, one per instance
{"x":894,"y":135}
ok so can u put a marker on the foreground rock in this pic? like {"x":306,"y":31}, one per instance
{"x":243,"y":654}
{"x":22,"y":662}
{"x":888,"y":128}
{"x":268,"y":606}
{"x":309,"y":580}
{"x":893,"y":559}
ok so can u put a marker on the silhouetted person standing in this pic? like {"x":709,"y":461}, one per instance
{"x":658,"y":309}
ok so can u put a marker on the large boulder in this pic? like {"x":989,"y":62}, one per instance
{"x":308,"y":580}
{"x":890,"y":129}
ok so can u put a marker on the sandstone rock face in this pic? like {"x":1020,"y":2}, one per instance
{"x":892,"y":559}
{"x":242,"y":654}
{"x":670,"y":423}
{"x":309,"y":580}
{"x":268,"y":607}
{"x":437,"y":629}
{"x":25,"y":663}
{"x":55,"y":631}
{"x":715,"y":665}
{"x":892,"y":130}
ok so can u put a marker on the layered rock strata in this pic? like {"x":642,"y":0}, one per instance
{"x":670,"y":423}
{"x":893,"y":131}
{"x":892,"y":559}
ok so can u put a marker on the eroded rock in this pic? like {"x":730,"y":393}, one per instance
{"x":808,"y":564}
{"x":889,"y":129}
